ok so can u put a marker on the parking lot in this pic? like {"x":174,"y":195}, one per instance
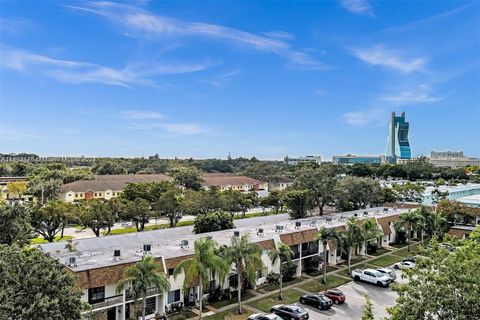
{"x":352,"y":308}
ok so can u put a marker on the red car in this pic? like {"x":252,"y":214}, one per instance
{"x":335,"y":295}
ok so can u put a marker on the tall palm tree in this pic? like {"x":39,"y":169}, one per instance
{"x":351,"y":237}
{"x":142,"y":276}
{"x":369,"y":231}
{"x":408,"y":220}
{"x":282,"y":254}
{"x":437,"y":222}
{"x":324,"y":235}
{"x":199,"y":267}
{"x":424,"y":216}
{"x":246,"y":257}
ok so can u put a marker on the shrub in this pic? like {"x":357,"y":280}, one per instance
{"x":213,"y":221}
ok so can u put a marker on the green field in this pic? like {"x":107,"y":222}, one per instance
{"x":317,"y":285}
{"x":264,"y":304}
{"x":273,"y":287}
{"x":40,"y":240}
{"x":148,"y":228}
{"x":386,"y":260}
{"x":245,"y":296}
{"x":230,"y":315}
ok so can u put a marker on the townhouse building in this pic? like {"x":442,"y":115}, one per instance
{"x":99,"y":263}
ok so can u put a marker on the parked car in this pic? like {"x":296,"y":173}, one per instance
{"x":371,"y":276}
{"x":389,"y":272}
{"x":410,"y":259}
{"x":404,"y":264}
{"x":264,"y":316}
{"x":290,"y":311}
{"x":319,"y":301}
{"x":335,"y":295}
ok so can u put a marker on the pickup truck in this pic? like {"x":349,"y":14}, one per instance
{"x":372,"y":276}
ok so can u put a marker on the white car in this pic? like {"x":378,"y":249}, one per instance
{"x":404,"y":264}
{"x":264,"y":316}
{"x":372,"y":276}
{"x":388,"y":272}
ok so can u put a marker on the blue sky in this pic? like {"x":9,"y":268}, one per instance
{"x":265,"y":79}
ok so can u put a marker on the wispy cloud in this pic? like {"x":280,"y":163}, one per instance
{"x":357,"y":6}
{"x":174,"y":128}
{"x":15,"y":25}
{"x":280,"y":35}
{"x":419,"y":94}
{"x":142,"y":23}
{"x":139,"y":115}
{"x":373,"y":116}
{"x":76,"y":72}
{"x":394,"y":59}
{"x":221,"y":80}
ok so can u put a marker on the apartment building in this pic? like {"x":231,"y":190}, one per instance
{"x":98,"y":263}
{"x":452,"y":159}
{"x":110,"y":186}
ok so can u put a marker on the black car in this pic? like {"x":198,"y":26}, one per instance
{"x":319,"y":301}
{"x":289,"y":312}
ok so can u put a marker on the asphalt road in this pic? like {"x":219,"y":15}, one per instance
{"x":353,"y":307}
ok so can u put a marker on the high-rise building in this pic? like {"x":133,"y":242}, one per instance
{"x":398,"y":147}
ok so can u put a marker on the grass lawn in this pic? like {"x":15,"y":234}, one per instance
{"x":272,"y":287}
{"x":404,"y":252}
{"x":385,"y":261}
{"x":245,"y":296}
{"x":379,"y":252}
{"x":40,"y":240}
{"x":148,"y":228}
{"x":317,"y":273}
{"x":317,"y":285}
{"x":230,"y":315}
{"x":264,"y":304}
{"x":398,"y":245}
{"x":182,"y":315}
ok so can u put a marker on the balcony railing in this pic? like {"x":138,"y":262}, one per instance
{"x":150,"y":292}
{"x":110,"y":301}
{"x":309,"y":252}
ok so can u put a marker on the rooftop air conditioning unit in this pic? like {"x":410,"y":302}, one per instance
{"x":147,"y":248}
{"x":355,"y":215}
{"x":298,"y":224}
{"x":116,"y":254}
{"x":279,"y":228}
{"x":385,"y":209}
{"x":313,"y":223}
{"x":236,"y":233}
{"x":184,"y":244}
{"x":209,"y":238}
{"x":72,"y":261}
{"x":260,"y":232}
{"x":329,"y":219}
{"x":365,"y":213}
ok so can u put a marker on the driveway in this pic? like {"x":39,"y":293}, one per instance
{"x":353,"y":307}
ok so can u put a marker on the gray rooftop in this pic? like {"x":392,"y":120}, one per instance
{"x":98,"y":252}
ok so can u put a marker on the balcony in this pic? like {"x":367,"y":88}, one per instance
{"x":110,"y":301}
{"x":150,"y":292}
{"x":309,"y":251}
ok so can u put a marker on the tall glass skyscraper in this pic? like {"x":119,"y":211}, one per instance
{"x":398,"y":146}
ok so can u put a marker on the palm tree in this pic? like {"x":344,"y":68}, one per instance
{"x":325,"y":235}
{"x":437,"y":221}
{"x":282,"y":254}
{"x":142,"y":276}
{"x":408,"y":220}
{"x":369,"y":230}
{"x":246,"y":257}
{"x":424,"y":217}
{"x":199,"y":267}
{"x":350,"y":238}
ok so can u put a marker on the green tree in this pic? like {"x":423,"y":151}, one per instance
{"x":353,"y":193}
{"x":437,"y":224}
{"x":107,"y":167}
{"x":273,"y":200}
{"x":35,"y":286}
{"x":324,"y":235}
{"x":213,"y":221}
{"x":443,"y":285}
{"x":299,"y":202}
{"x":170,"y":205}
{"x":283,"y":254}
{"x":204,"y":262}
{"x":142,"y":276}
{"x":14,"y":225}
{"x":246,"y":257}
{"x":247,"y":201}
{"x":187,"y":177}
{"x":408,"y":221}
{"x":96,"y":215}
{"x":201,"y":202}
{"x":409,"y":192}
{"x":369,"y":230}
{"x":351,"y":237}
{"x":17,"y":189}
{"x":137,"y":211}
{"x":48,"y":220}
{"x":230,"y":201}
{"x":367,"y":313}
{"x":45,"y":190}
{"x":320,"y":182}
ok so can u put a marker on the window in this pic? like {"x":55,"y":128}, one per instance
{"x":96,"y":295}
{"x":150,"y":305}
{"x":174,"y":296}
{"x":170,"y":271}
{"x":95,"y":194}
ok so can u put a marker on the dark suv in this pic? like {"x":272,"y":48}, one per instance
{"x":290,"y":311}
{"x":319,"y":301}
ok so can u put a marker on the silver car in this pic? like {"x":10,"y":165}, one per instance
{"x":263,"y":316}
{"x":388,"y":272}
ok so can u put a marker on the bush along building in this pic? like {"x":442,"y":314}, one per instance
{"x":99,"y":263}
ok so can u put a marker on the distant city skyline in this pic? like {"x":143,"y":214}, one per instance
{"x":263,"y":79}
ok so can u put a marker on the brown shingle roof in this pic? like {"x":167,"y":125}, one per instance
{"x":266,"y":244}
{"x":112,"y":182}
{"x":384,"y":223}
{"x":459,"y":232}
{"x":298,"y":237}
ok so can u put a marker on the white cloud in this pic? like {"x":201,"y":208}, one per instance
{"x":420,"y":94}
{"x":15,"y":25}
{"x":393,"y":59}
{"x":142,"y":23}
{"x":139,"y":115}
{"x":280,"y":35}
{"x":357,"y":6}
{"x":362,"y":118}
{"x":70,"y":71}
